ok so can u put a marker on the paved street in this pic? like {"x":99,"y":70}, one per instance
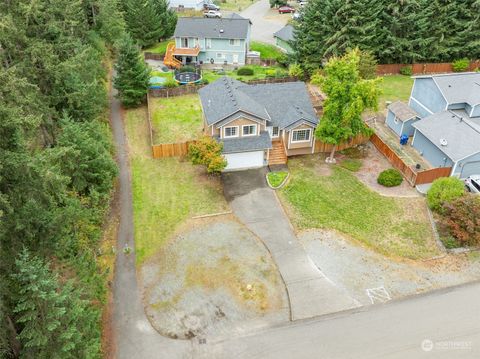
{"x":265,"y":22}
{"x":255,"y":204}
{"x":442,"y":324}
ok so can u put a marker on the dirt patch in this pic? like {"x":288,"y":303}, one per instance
{"x":374,"y":163}
{"x":213,"y":278}
{"x":357,"y":269}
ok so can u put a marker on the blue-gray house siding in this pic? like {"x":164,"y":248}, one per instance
{"x":430,"y":151}
{"x":399,"y":127}
{"x":426,"y":97}
{"x":468,"y":166}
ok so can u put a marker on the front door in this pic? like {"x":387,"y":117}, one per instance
{"x":235,"y":58}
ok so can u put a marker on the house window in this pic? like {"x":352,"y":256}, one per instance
{"x":301,"y":135}
{"x":209,"y":43}
{"x":275,"y":132}
{"x":231,"y":131}
{"x":249,"y":130}
{"x":234,"y":42}
{"x":184,"y":41}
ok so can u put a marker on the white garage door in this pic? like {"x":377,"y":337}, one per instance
{"x":244,"y":160}
{"x":470,"y":168}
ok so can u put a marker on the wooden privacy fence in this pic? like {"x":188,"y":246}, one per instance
{"x":325,"y":147}
{"x":412,"y":176}
{"x":422,"y":68}
{"x":170,"y":149}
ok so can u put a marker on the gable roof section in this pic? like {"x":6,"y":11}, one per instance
{"x":285,"y":33}
{"x":463,"y":139}
{"x":458,"y":88}
{"x":402,"y":111}
{"x":281,"y":104}
{"x":232,"y":27}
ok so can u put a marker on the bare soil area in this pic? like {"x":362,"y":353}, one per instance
{"x":370,"y":277}
{"x":214,"y":278}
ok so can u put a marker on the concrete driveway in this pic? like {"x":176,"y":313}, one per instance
{"x":310,"y":292}
{"x":265,"y":21}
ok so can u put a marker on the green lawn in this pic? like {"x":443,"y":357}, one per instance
{"x":260,"y":72}
{"x":267,"y":51}
{"x":166,"y":192}
{"x":392,"y":226}
{"x":234,"y":5}
{"x":176,"y":119}
{"x":159,"y":48}
{"x":395,"y":87}
{"x":276,"y":178}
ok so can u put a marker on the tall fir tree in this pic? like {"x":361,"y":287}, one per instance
{"x":132,"y":76}
{"x":143,"y":21}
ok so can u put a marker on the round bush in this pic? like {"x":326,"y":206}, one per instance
{"x":406,"y":70}
{"x":390,"y":178}
{"x":245,"y":71}
{"x":461,"y":65}
{"x":444,"y":190}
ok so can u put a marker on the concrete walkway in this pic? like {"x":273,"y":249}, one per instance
{"x":310,"y":292}
{"x":134,"y":337}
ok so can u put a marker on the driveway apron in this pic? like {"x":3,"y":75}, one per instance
{"x":310,"y":292}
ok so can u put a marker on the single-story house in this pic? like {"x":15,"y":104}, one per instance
{"x":284,"y":37}
{"x":259,"y":124}
{"x":212,"y":40}
{"x":444,"y":113}
{"x":400,"y":118}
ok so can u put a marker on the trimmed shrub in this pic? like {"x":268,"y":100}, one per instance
{"x":461,"y":65}
{"x":390,"y":178}
{"x":245,"y":71}
{"x":444,"y":190}
{"x":406,"y":70}
{"x":461,"y":219}
{"x":270,"y":73}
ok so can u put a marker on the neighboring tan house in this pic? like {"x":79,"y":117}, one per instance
{"x":284,"y":37}
{"x":187,"y":4}
{"x":259,"y":125}
{"x":444,"y":112}
{"x":212,"y":40}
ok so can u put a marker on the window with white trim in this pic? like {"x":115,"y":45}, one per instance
{"x":301,"y":135}
{"x":184,"y":41}
{"x":275,"y":132}
{"x":231,"y":131}
{"x":249,"y":130}
{"x":234,"y":42}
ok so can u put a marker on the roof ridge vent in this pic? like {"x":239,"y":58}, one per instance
{"x":443,"y":142}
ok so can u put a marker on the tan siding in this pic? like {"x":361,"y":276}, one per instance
{"x":244,"y":121}
{"x":299,"y":151}
{"x":293,"y":145}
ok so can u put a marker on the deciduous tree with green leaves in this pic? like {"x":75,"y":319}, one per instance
{"x":348,"y":95}
{"x":132,"y":74}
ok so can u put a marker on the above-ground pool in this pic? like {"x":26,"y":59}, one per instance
{"x":184,"y":78}
{"x":157,"y":82}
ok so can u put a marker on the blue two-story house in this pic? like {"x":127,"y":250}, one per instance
{"x":212,"y":40}
{"x":443,"y":115}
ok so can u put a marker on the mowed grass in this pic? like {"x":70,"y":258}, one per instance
{"x":391,"y":226}
{"x":166,"y":192}
{"x":259,"y":73}
{"x":234,"y":5}
{"x":176,"y":119}
{"x":159,"y":48}
{"x":267,"y":51}
{"x":394,"y":88}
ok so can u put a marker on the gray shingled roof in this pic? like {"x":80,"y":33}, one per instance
{"x":459,"y":88}
{"x":285,"y":33}
{"x":402,"y":111}
{"x":234,"y":27}
{"x":462,"y":138}
{"x":281,"y":104}
{"x":242,"y":144}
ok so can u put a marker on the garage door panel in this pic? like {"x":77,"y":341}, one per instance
{"x":470,"y":168}
{"x":244,"y":160}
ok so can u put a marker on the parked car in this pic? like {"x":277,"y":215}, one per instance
{"x":472,"y":183}
{"x":286,"y":9}
{"x":212,"y":13}
{"x":211,"y":6}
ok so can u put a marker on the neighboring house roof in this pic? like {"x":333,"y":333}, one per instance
{"x":458,"y":88}
{"x":285,"y":33}
{"x":280,"y":104}
{"x":231,"y":27}
{"x":250,"y":143}
{"x":461,"y":138}
{"x":402,"y":111}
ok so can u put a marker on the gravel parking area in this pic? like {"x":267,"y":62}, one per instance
{"x":358,"y":269}
{"x":214,"y":278}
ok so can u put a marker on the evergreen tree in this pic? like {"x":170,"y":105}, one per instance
{"x":143,"y":22}
{"x":168,"y":18}
{"x":54,"y":322}
{"x":347,"y":97}
{"x":132,"y":74}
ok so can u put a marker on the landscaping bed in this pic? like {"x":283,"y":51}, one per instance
{"x":176,"y":119}
{"x":277,"y":179}
{"x":166,"y":192}
{"x":392,"y":226}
